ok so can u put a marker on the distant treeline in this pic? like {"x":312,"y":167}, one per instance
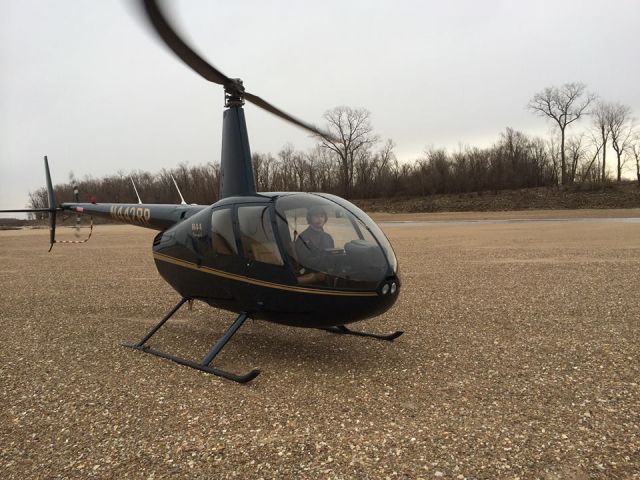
{"x":515,"y":161}
{"x":355,"y":164}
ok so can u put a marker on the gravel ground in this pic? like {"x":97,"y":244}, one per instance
{"x":520,"y":360}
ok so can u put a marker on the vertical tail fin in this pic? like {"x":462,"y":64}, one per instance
{"x":52,"y":205}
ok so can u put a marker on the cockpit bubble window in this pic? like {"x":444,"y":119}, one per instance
{"x":327,"y":245}
{"x":256,"y":235}
{"x":375,"y":229}
{"x":223,"y":240}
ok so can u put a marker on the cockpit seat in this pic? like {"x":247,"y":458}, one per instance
{"x":265,"y":252}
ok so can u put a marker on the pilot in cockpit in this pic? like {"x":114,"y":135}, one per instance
{"x":314,"y":241}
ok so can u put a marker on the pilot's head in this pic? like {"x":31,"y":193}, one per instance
{"x":317,"y":217}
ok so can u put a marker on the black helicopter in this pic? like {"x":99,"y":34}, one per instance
{"x":309,"y":260}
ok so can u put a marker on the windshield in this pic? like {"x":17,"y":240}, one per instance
{"x":327,"y":245}
{"x":375,"y":229}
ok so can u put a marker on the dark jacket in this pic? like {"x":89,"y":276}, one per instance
{"x":311,"y":245}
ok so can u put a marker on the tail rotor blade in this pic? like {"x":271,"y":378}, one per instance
{"x":52,"y":229}
{"x":76,"y":197}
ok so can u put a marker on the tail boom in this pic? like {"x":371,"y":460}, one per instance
{"x":148,"y":215}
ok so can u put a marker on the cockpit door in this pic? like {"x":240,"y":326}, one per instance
{"x":259,"y":244}
{"x":224,"y":254}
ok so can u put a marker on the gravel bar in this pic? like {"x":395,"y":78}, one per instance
{"x":520,"y":360}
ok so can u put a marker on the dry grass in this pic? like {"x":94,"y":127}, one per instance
{"x":520,"y":360}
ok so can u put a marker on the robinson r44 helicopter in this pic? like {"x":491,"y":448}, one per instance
{"x":309,"y":260}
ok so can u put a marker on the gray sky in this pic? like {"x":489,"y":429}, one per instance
{"x":88,"y":84}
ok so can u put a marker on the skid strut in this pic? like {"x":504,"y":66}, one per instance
{"x":204,"y":364}
{"x":342,"y":330}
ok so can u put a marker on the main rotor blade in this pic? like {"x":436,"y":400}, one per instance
{"x":259,"y":102}
{"x":208,"y":71}
{"x":179,"y":47}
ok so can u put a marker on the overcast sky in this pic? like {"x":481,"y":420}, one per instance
{"x":89,"y":85}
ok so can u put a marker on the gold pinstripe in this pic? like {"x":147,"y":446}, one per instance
{"x":241,"y":278}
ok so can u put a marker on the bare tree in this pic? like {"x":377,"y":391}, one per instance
{"x":601,"y":115}
{"x":635,"y":150}
{"x":373,"y":171}
{"x":576,"y":151}
{"x":289,"y":179}
{"x":353,"y":134}
{"x":263,"y":166}
{"x":554,"y":154}
{"x":621,"y":129}
{"x":564,"y":105}
{"x":385,"y":165}
{"x":586,"y":171}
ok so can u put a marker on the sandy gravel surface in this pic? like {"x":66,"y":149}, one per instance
{"x":520,"y":360}
{"x":513,"y":215}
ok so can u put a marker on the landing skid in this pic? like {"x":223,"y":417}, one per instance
{"x":342,"y":330}
{"x":203,"y":366}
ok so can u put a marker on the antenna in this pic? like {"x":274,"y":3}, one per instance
{"x":181,"y":197}
{"x":135,"y":189}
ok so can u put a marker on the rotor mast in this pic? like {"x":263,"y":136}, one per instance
{"x":236,"y":170}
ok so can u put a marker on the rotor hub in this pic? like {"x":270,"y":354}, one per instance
{"x":234,"y":93}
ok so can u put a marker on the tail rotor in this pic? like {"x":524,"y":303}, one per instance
{"x":53,"y":208}
{"x":76,"y":197}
